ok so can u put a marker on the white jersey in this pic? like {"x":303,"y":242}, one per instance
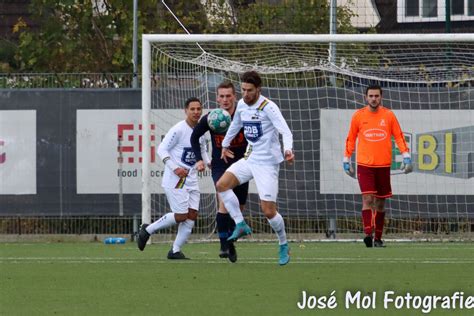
{"x":176,"y":151}
{"x":262,"y":121}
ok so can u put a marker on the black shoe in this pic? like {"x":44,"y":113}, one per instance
{"x":368,"y":241}
{"x":224,"y":254}
{"x":143,"y":237}
{"x":176,"y":255}
{"x":232,"y":253}
{"x":379,"y":243}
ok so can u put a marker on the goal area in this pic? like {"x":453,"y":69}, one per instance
{"x":319,"y":81}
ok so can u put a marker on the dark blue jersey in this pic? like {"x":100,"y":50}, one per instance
{"x":237,"y":146}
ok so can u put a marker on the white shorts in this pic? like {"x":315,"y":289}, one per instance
{"x":265,"y":176}
{"x":180,"y":200}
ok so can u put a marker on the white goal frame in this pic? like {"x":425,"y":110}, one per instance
{"x":148,"y":39}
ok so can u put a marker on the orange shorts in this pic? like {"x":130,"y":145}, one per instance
{"x":374,"y":181}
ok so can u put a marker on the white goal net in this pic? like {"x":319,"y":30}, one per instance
{"x":318,"y":81}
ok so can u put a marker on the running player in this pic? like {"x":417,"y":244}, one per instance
{"x":180,"y":181}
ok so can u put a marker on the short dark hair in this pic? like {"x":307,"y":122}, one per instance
{"x":191,"y":99}
{"x":373,"y":87}
{"x":252,"y":77}
{"x":226,"y":85}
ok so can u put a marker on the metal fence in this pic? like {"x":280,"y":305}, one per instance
{"x":34,"y":225}
{"x":89,"y":228}
{"x":66,"y":80}
{"x":18,"y":225}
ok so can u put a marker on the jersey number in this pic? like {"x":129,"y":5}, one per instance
{"x":188,"y":157}
{"x":253,"y":131}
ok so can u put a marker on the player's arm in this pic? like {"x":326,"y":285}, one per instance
{"x":234,"y":128}
{"x":350,"y":146}
{"x":163,"y":151}
{"x":205,"y":161}
{"x":280,"y":124}
{"x":199,"y":130}
{"x":397,"y":133}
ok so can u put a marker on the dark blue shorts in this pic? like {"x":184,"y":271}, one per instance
{"x":242,"y":191}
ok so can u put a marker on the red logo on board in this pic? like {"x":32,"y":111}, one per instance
{"x":130,"y":143}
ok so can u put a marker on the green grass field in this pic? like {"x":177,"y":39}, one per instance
{"x":98,"y":279}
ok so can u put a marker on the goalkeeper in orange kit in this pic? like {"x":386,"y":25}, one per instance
{"x":373,"y":126}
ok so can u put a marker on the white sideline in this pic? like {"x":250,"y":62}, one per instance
{"x":250,"y":260}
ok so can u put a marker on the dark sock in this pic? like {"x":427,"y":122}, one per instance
{"x":367,"y":221}
{"x":230,"y":224}
{"x":223,"y":229}
{"x":379,"y":222}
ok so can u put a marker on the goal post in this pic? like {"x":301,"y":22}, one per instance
{"x":146,"y":132}
{"x":426,"y":80}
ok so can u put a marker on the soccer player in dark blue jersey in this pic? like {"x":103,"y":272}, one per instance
{"x":226,"y":99}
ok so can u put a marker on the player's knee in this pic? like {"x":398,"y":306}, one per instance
{"x":269,"y":209}
{"x":180,"y":217}
{"x":192,"y":214}
{"x":221,"y":186}
{"x":368,"y":199}
{"x":269,"y":214}
{"x":227,"y":182}
{"x":379,"y":204}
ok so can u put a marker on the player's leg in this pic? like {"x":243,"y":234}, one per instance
{"x":177,"y":200}
{"x":241,"y":191}
{"x":186,"y":224}
{"x":384,"y":191}
{"x":379,"y":221}
{"x":222,"y":224}
{"x":366,"y":178}
{"x":238,"y":173}
{"x":223,"y":219}
{"x":368,"y":218}
{"x":266,"y":180}
{"x":278,"y":225}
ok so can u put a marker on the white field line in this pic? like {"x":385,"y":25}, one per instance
{"x":268,"y":260}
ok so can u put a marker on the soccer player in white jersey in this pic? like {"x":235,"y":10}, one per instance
{"x":262,"y":122}
{"x":180,"y":181}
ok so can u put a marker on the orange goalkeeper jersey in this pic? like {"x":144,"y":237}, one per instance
{"x":374,"y":131}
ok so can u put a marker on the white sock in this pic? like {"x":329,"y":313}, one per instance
{"x":232,"y":205}
{"x":184,"y":230}
{"x":278,"y":226}
{"x":163,"y":222}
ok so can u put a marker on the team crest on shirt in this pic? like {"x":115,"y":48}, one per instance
{"x":382,"y":122}
{"x":188,"y":157}
{"x":253,"y":131}
{"x":256,"y":116}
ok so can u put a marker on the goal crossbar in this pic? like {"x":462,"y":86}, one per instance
{"x":320,"y":38}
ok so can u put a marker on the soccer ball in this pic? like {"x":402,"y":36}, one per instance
{"x":219,"y":121}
